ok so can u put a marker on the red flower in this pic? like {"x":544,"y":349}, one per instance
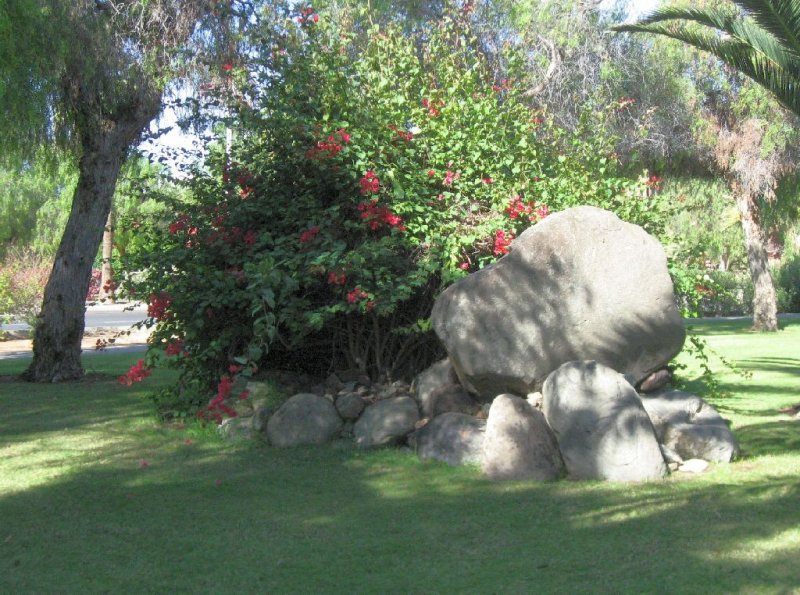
{"x":337,"y":278}
{"x":450,"y":177}
{"x":174,"y":347}
{"x":136,"y":373}
{"x":343,"y":135}
{"x":157,"y":305}
{"x":249,"y":237}
{"x":487,"y":180}
{"x":502,"y":241}
{"x":356,"y":294}
{"x":464,"y":266}
{"x":309,"y":234}
{"x":179,"y":225}
{"x":542,"y":212}
{"x":517,"y":208}
{"x":227,"y":67}
{"x":370,"y":184}
{"x":431,"y":173}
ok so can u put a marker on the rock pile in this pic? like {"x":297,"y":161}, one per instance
{"x":546,"y":350}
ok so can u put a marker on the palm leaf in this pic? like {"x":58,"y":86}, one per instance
{"x":754,"y":43}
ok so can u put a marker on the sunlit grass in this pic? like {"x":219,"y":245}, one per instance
{"x":97,"y":495}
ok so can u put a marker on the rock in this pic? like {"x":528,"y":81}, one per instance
{"x":535,"y":400}
{"x":350,"y":405}
{"x":437,"y":376}
{"x":263,"y":409}
{"x":580,"y":285}
{"x":670,"y":456}
{"x":688,"y":425}
{"x":386,"y":422}
{"x":236,"y":428}
{"x":303,"y":419}
{"x":519,"y":444}
{"x":601,"y":427}
{"x":453,"y":438}
{"x":259,"y":390}
{"x":655,"y":381}
{"x":453,"y":399}
{"x":693,"y":466}
{"x":333,"y":383}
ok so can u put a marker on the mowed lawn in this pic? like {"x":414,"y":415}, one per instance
{"x":97,"y":496}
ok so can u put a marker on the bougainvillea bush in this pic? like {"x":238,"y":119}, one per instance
{"x":371,"y":170}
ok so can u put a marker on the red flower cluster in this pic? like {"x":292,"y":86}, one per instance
{"x":464,"y":266}
{"x":432,"y":107}
{"x":180,"y":224}
{"x":487,"y":180}
{"x":516,"y":208}
{"x":157,"y":305}
{"x":136,"y":373}
{"x":250,"y":237}
{"x":331,"y":146}
{"x":403,"y":134}
{"x":307,"y":15}
{"x":502,"y":241}
{"x":227,"y":67}
{"x":335,"y":278}
{"x":653,"y":182}
{"x":370,"y":184}
{"x":174,"y":347}
{"x":375,"y":216}
{"x":450,"y":177}
{"x":309,"y":234}
{"x":356,"y":295}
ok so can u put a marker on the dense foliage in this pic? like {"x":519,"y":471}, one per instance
{"x":375,"y":169}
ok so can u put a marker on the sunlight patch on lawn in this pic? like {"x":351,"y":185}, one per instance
{"x":781,"y":544}
{"x":49,"y":457}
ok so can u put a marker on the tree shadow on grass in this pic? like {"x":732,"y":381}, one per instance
{"x":225,"y":518}
{"x":770,"y":438}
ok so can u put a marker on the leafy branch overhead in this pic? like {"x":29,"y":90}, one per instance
{"x":760,"y":39}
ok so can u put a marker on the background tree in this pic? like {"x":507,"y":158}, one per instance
{"x":91,"y":75}
{"x":760,"y":40}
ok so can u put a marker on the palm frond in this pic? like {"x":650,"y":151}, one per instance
{"x":752,"y":43}
{"x":781,"y":18}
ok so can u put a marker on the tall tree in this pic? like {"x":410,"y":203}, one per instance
{"x":760,"y":39}
{"x":94,"y":72}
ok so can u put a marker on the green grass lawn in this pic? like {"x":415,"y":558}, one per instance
{"x":95,"y":495}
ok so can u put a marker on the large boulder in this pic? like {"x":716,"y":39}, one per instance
{"x":386,"y":422}
{"x":519,"y":444}
{"x":304,"y":418}
{"x":686,"y":424}
{"x":453,"y":438}
{"x":602,"y":429}
{"x":580,"y":285}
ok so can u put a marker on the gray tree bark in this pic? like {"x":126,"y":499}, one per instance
{"x":60,"y":324}
{"x":765,"y":310}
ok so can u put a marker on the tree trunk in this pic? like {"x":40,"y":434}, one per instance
{"x":765,"y":310}
{"x":107,"y":272}
{"x":60,"y":324}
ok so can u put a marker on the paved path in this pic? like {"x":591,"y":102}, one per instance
{"x":103,"y":321}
